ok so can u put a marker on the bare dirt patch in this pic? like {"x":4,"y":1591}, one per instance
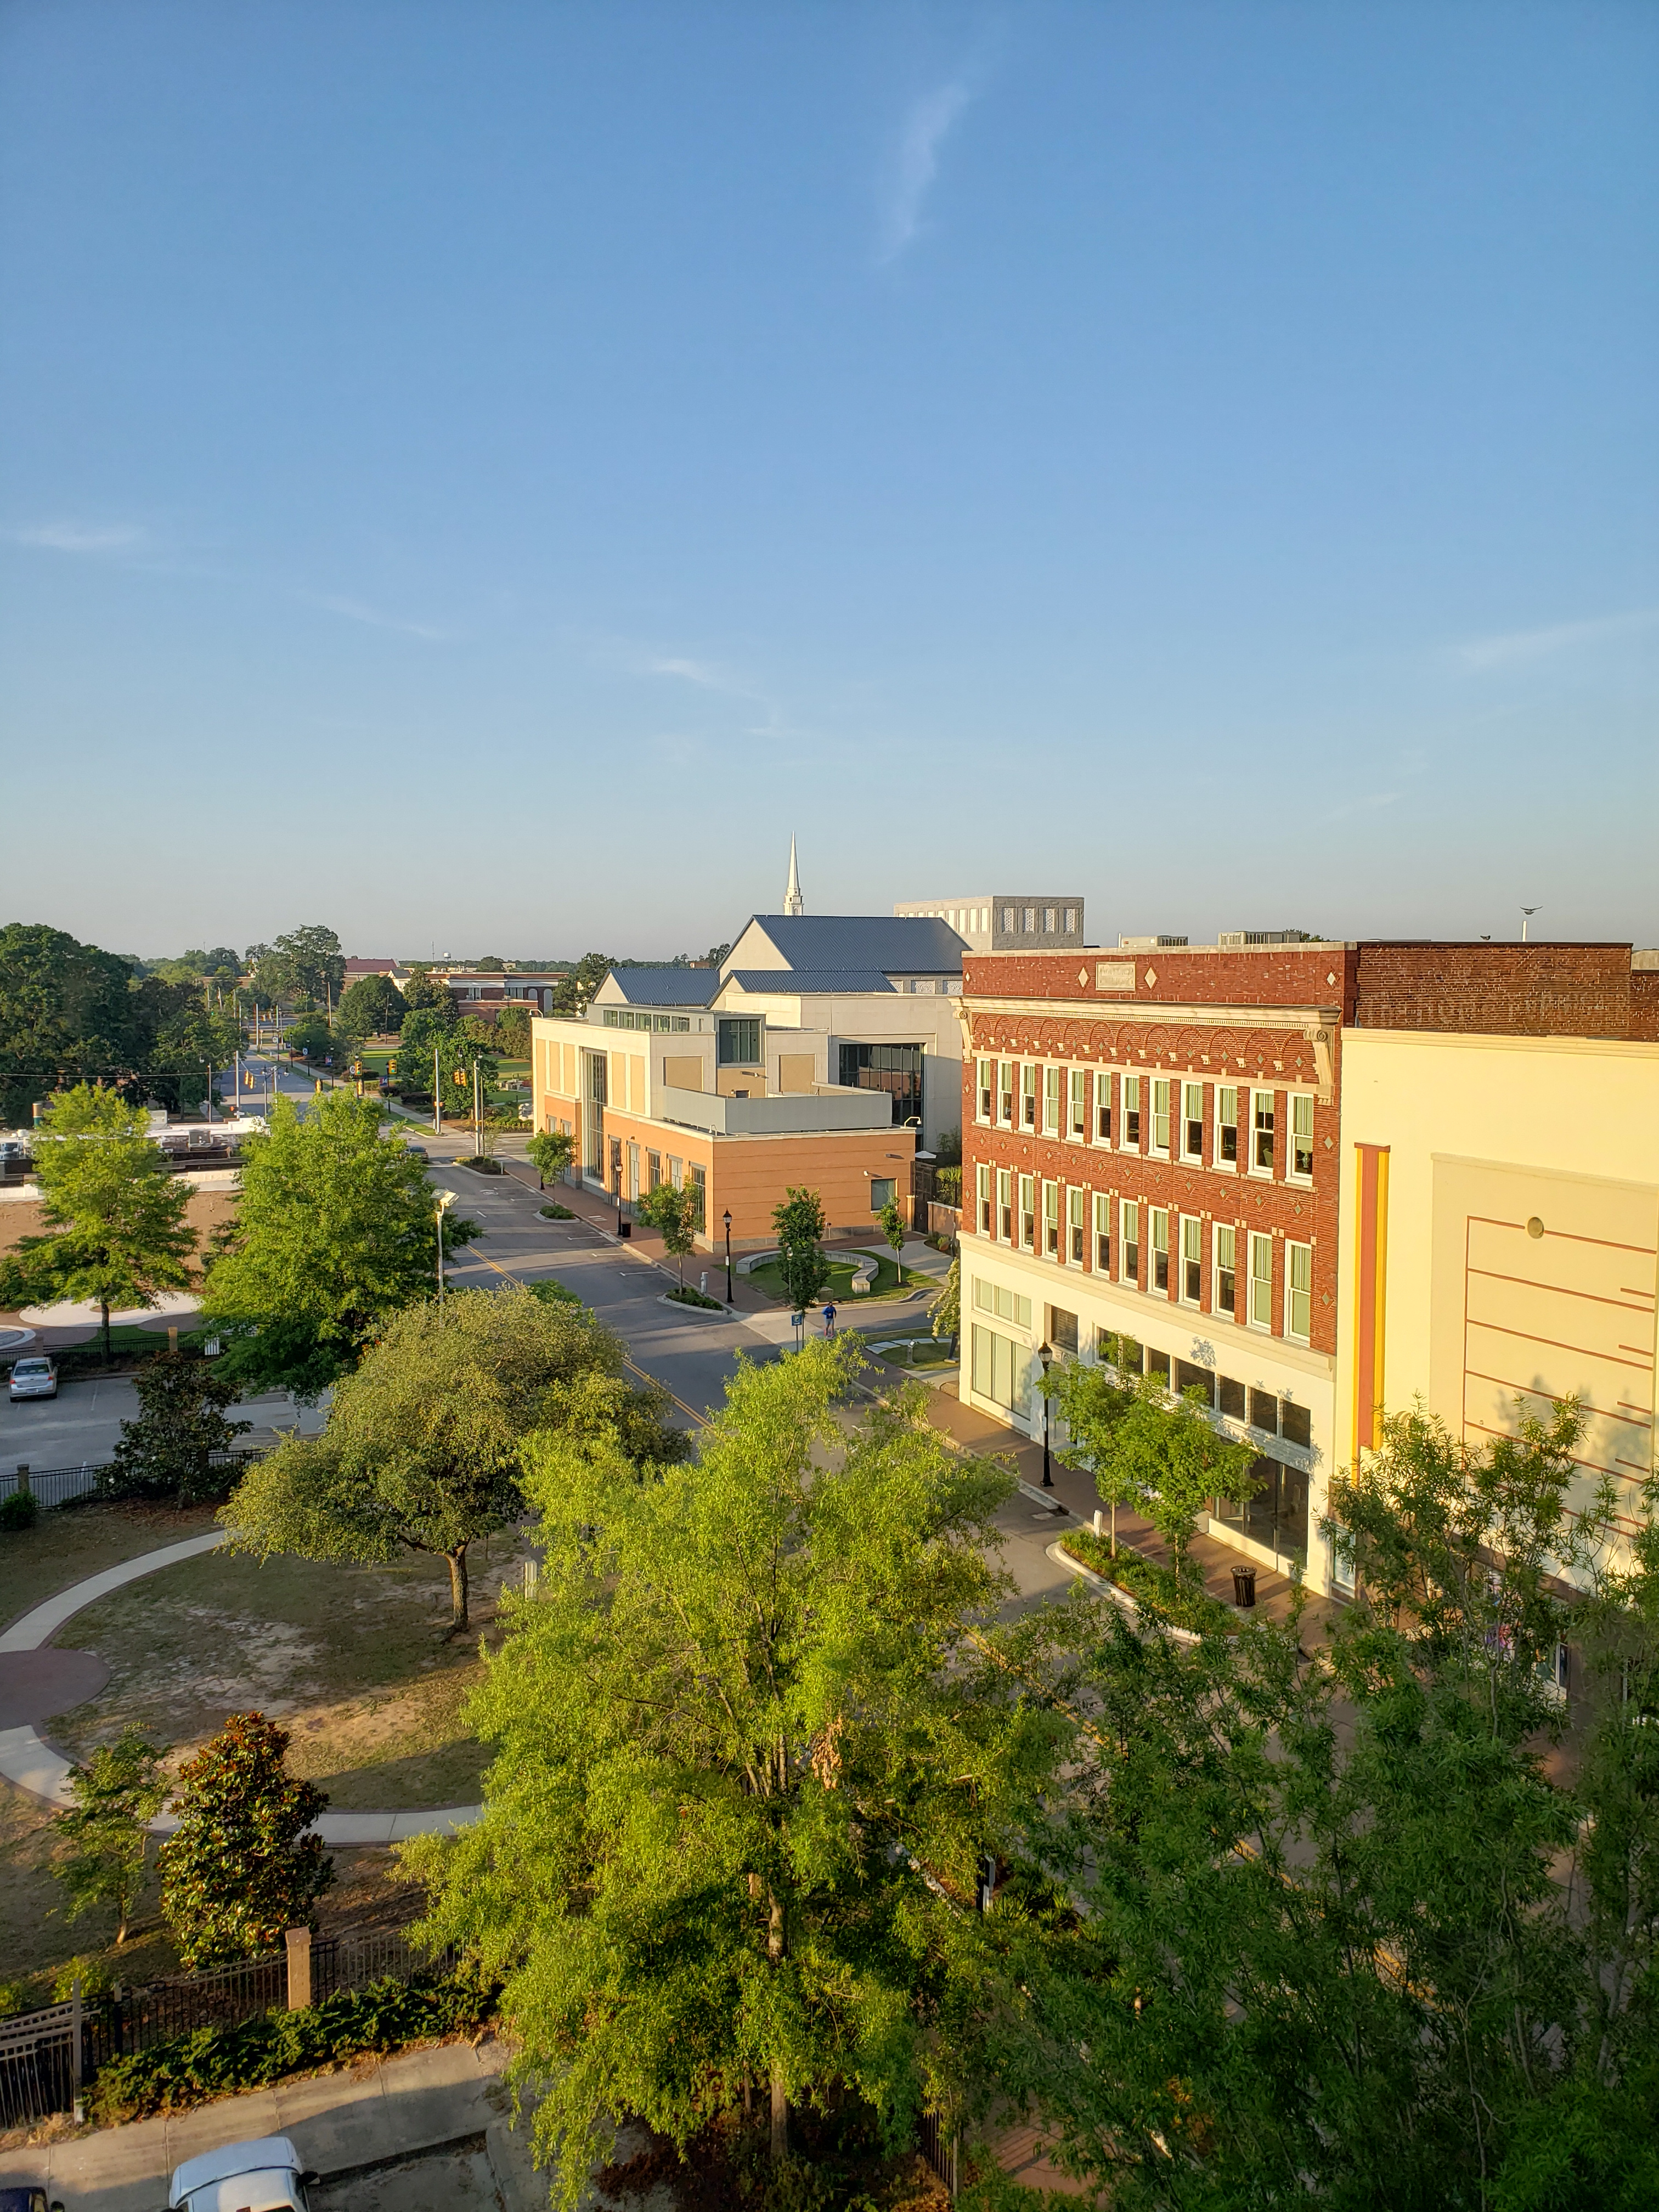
{"x":355,"y":1661}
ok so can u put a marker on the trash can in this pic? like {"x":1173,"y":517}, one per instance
{"x":1244,"y":1587}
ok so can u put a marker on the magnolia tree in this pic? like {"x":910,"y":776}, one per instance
{"x":241,"y":1868}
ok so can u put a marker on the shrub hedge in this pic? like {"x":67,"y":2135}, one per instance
{"x":220,"y":2061}
{"x":1183,"y":1604}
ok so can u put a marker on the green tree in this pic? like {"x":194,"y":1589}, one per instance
{"x":241,"y":1868}
{"x":1361,"y":1950}
{"x":168,"y":1451}
{"x":427,"y":993}
{"x":799,"y":1224}
{"x":551,"y":1151}
{"x":577,"y":986}
{"x":194,"y":1047}
{"x":745,"y":1764}
{"x":372,"y":1005}
{"x":118,"y":1793}
{"x":1148,"y":1448}
{"x":895,"y":1230}
{"x":512,"y":1033}
{"x":307,"y":964}
{"x":115,"y":1215}
{"x":69,"y":1012}
{"x":425,"y":1441}
{"x":945,"y":1314}
{"x":312,"y":1038}
{"x":672,"y":1211}
{"x":1093,"y":1401}
{"x":334,"y":1232}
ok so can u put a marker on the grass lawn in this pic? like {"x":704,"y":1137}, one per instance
{"x":66,"y":1545}
{"x":840,"y":1291}
{"x":929,"y":1352}
{"x":353,"y":1660}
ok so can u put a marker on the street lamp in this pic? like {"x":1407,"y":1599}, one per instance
{"x":726,"y":1218}
{"x":446,"y":1200}
{"x":1045,"y":1354}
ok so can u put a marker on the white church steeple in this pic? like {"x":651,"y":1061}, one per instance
{"x":793,"y":901}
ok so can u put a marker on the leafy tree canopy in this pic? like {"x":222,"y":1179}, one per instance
{"x":1353,"y":1945}
{"x":115,"y":1215}
{"x":240,"y":1869}
{"x":674,"y":1211}
{"x":799,"y":1223}
{"x":581,"y":982}
{"x":550,"y":1152}
{"x":169,"y":1450}
{"x":425,"y":1442}
{"x":429,"y":993}
{"x":373,"y":1006}
{"x":512,"y":1033}
{"x":103,"y":1841}
{"x":746,"y":1762}
{"x":335,"y":1231}
{"x":306,"y":963}
{"x":68,"y":1011}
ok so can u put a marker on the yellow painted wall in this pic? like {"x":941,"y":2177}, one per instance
{"x":1522,"y":1232}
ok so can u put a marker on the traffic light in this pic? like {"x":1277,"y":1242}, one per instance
{"x":391,"y":1065}
{"x":460,"y":1075}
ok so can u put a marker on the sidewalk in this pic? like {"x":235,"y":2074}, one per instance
{"x":379,"y":2111}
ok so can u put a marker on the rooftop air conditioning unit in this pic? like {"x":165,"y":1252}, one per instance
{"x":1236,"y":940}
{"x":1146,"y":944}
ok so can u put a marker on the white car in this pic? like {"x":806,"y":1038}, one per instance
{"x":263,"y":2176}
{"x":34,"y":1377}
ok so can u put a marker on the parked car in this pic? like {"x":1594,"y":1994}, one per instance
{"x":34,"y":1377}
{"x":417,"y":1151}
{"x":266,"y":2172}
{"x":24,"y":2197}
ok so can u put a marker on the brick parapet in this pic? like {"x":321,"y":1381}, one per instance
{"x":1276,"y":976}
{"x":1500,"y":990}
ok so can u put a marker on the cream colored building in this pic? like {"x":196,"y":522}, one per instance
{"x":1500,"y":1237}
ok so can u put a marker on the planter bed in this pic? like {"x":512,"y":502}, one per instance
{"x":1186,"y":1608}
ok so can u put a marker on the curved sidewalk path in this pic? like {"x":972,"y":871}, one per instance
{"x":34,"y":1766}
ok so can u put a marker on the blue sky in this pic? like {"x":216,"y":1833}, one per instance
{"x":483,"y":475}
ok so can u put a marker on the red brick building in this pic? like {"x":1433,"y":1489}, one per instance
{"x":1152,"y":1152}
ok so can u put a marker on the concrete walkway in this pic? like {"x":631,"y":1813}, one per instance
{"x":33,"y":1765}
{"x":379,"y":2112}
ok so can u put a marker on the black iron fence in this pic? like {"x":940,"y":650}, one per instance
{"x":941,"y":2147}
{"x":45,"y":2056}
{"x":41,"y":2063}
{"x":51,"y":1486}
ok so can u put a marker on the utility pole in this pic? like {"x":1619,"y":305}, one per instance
{"x":437,"y":1103}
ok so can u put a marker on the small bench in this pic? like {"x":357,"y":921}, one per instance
{"x":864,"y":1276}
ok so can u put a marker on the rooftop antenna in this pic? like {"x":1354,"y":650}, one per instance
{"x":1527,"y":914}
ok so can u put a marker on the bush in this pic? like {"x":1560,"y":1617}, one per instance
{"x":556,"y":1214}
{"x":19,"y":1511}
{"x":685,"y":1295}
{"x":1155,"y":1589}
{"x":218,"y":2062}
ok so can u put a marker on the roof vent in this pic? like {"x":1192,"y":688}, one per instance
{"x":1235,"y":941}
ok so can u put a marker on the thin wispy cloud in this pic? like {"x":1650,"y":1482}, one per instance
{"x":64,"y":536}
{"x":1514,"y":647}
{"x":355,"y":611}
{"x":916,"y":170}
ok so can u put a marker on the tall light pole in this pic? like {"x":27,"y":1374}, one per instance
{"x":437,"y":1099}
{"x":1527,"y":914}
{"x":1046,"y":1355}
{"x":446,"y":1200}
{"x":475,"y":1133}
{"x":726,"y":1218}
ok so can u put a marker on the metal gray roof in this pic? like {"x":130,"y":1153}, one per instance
{"x":813,"y":982}
{"x":897,"y":944}
{"x":665,"y":987}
